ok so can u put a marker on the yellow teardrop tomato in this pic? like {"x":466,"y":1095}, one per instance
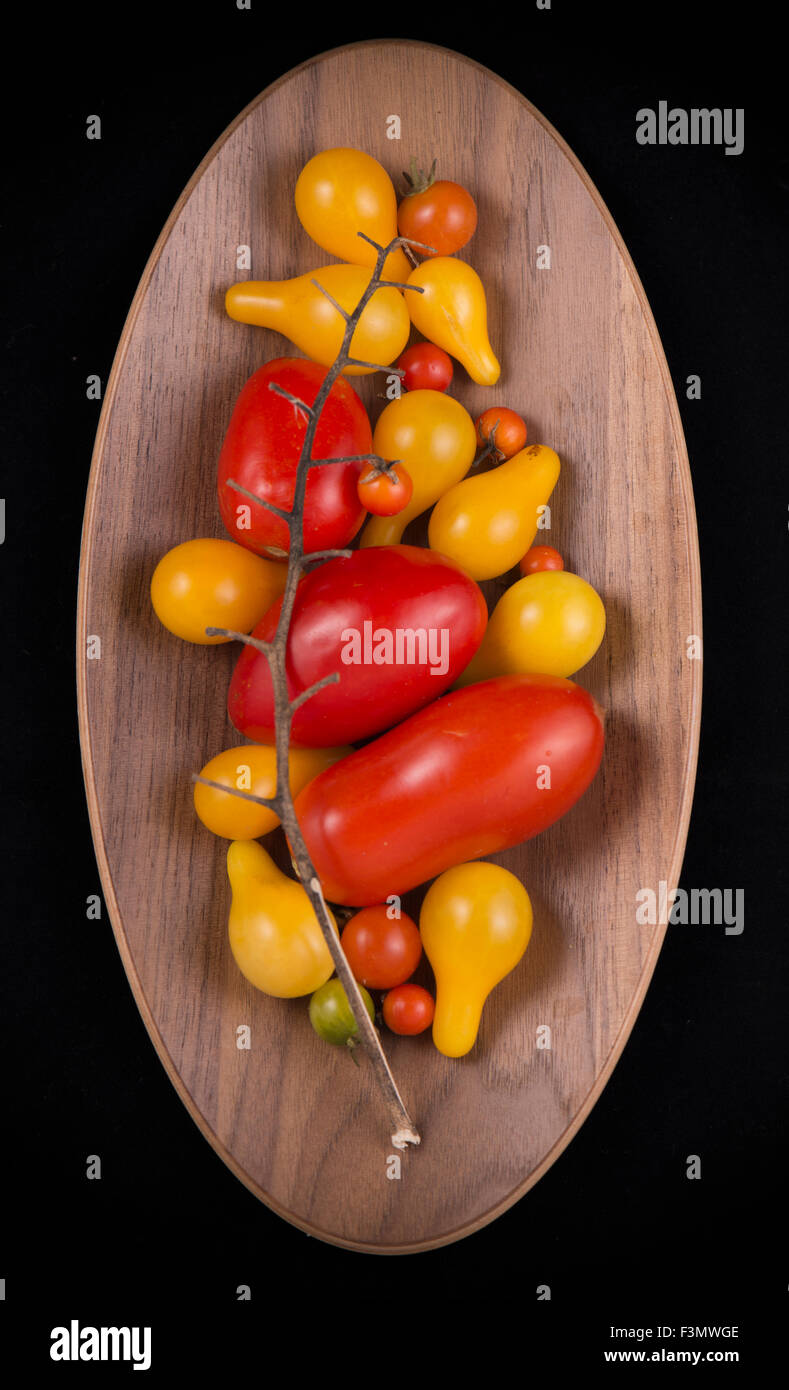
{"x":275,"y":937}
{"x":476,"y":923}
{"x":486,"y":523}
{"x":550,"y":623}
{"x":452,"y":312}
{"x":435,"y":439}
{"x":298,"y":309}
{"x":253,"y":768}
{"x":342,"y":192}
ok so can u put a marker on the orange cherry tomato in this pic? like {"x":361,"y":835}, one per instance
{"x":440,"y":214}
{"x":385,"y":494}
{"x":510,"y":435}
{"x":408,"y":1010}
{"x":380,"y":950}
{"x":540,"y":557}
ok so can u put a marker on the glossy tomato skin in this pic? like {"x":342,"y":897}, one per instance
{"x":408,"y":1010}
{"x":510,"y":436}
{"x":457,"y":781}
{"x":443,"y":216}
{"x":426,"y":367}
{"x":332,"y":1016}
{"x":339,"y":608}
{"x":386,"y":494}
{"x":341,"y":192}
{"x":552,"y":621}
{"x":382,"y":951}
{"x":261,"y":452}
{"x":253,"y":767}
{"x":213,"y":583}
{"x":539,"y":558}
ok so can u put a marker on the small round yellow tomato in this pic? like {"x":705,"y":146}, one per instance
{"x":435,"y":438}
{"x":253,"y":768}
{"x":550,"y":623}
{"x":213,"y":583}
{"x":475,"y":923}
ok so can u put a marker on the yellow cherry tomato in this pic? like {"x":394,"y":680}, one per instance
{"x":253,"y":768}
{"x":298,"y":309}
{"x":213,"y":583}
{"x":452,"y":312}
{"x":275,"y":937}
{"x":550,"y":623}
{"x":435,"y":438}
{"x":341,"y":192}
{"x":487,"y":522}
{"x":475,"y":923}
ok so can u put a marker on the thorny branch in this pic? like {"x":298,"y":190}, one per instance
{"x":405,"y":1132}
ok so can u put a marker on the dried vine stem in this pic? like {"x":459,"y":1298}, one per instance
{"x":404,"y":1131}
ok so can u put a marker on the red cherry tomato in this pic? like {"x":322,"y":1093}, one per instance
{"x":540,"y":557}
{"x":426,"y":367}
{"x":382,"y":951}
{"x":381,"y":493}
{"x":510,"y":435}
{"x":408,"y":1010}
{"x":441,"y":214}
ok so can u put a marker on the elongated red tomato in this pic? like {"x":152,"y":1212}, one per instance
{"x":476,"y":772}
{"x":397,"y":622}
{"x":261,"y":452}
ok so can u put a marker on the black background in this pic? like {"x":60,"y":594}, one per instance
{"x":615,"y":1228}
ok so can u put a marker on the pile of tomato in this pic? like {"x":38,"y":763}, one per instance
{"x":451,"y":733}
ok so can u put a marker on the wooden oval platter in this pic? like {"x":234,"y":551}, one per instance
{"x":302,"y":1127}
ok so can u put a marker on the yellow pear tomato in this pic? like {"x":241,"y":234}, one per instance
{"x":476,"y":923}
{"x":341,"y":192}
{"x":486,"y":523}
{"x":451,"y":311}
{"x":275,"y":936}
{"x":298,"y":309}
{"x":435,"y":439}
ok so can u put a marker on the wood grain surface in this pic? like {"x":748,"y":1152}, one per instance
{"x":582,"y":360}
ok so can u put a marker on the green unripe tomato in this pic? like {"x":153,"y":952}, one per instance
{"x":331,"y":1015}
